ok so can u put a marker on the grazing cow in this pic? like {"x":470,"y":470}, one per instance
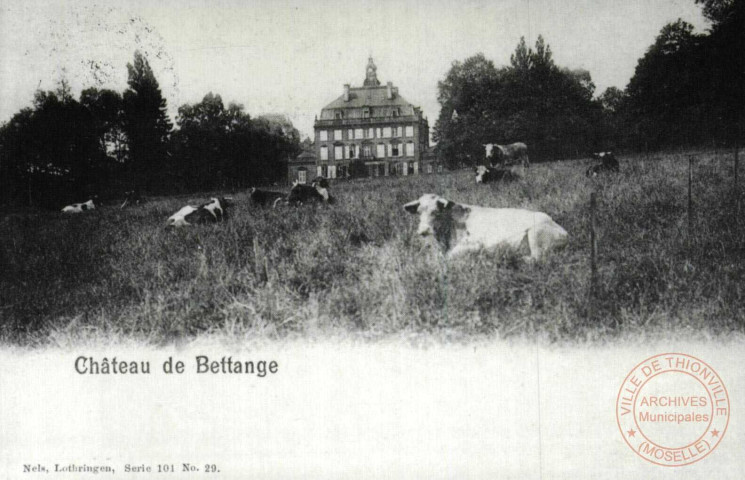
{"x":610,"y":164}
{"x":460,"y":228}
{"x":300,"y":194}
{"x":213,"y":211}
{"x":79,"y":207}
{"x":265,"y":197}
{"x":505,"y":155}
{"x":485,"y":174}
{"x":131,"y":197}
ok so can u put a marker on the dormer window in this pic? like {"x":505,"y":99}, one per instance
{"x":395,"y":112}
{"x":339,"y":115}
{"x":366,"y":113}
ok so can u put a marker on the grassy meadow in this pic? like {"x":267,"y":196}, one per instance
{"x":358,"y":268}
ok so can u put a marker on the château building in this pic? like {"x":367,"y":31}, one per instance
{"x":374,"y":126}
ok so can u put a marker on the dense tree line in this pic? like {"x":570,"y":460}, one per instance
{"x":688,"y":89}
{"x":63,"y":149}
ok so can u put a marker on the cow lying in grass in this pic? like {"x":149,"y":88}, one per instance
{"x":486,"y":174}
{"x":213,"y":211}
{"x":506,"y":155}
{"x":317,"y":192}
{"x":461,"y":228}
{"x":264,"y":197}
{"x":610,"y":164}
{"x":79,"y":207}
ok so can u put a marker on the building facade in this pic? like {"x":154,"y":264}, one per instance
{"x":372,"y":126}
{"x":302,"y":168}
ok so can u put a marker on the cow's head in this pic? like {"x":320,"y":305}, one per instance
{"x":481,"y":171}
{"x":320,"y":182}
{"x":429,"y":207}
{"x":601,"y":155}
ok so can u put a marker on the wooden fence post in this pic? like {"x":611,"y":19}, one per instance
{"x":736,"y":186}
{"x":593,"y":254}
{"x":690,"y":198}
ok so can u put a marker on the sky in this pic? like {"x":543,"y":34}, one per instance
{"x":293,"y":57}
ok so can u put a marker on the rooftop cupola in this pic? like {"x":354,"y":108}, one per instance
{"x":371,"y":78}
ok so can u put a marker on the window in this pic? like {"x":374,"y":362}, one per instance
{"x":338,"y":152}
{"x":429,"y":168}
{"x":332,"y":171}
{"x":411,"y":168}
{"x":367,"y":151}
{"x":378,"y":132}
{"x":394,"y":151}
{"x":359,"y":133}
{"x":302,"y":175}
{"x":409,"y":131}
{"x":350,"y":134}
{"x":338,"y":115}
{"x":338,"y":135}
{"x":410,"y":149}
{"x":395,"y":112}
{"x":386,"y":132}
{"x":324,"y":152}
{"x":352,"y":151}
{"x":381,"y":151}
{"x":366,"y":113}
{"x":370,"y":133}
{"x":323,"y":136}
{"x":398,"y":132}
{"x":341,"y":171}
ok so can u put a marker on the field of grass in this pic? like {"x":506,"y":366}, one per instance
{"x":358,"y":268}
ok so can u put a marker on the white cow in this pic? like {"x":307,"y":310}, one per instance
{"x":460,"y":228}
{"x":213,"y":211}
{"x":79,"y":207}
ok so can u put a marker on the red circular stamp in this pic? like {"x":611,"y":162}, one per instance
{"x":673,"y":409}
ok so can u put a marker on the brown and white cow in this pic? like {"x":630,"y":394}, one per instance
{"x":486,"y":174}
{"x":507,"y":155}
{"x":461,"y":228}
{"x":609,"y":164}
{"x":79,"y":207}
{"x":213,"y":211}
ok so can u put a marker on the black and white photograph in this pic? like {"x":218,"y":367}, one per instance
{"x":372,"y":239}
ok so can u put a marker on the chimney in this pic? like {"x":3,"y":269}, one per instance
{"x":346,"y":92}
{"x":390,"y":90}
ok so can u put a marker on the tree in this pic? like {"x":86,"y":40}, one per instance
{"x":467,"y":89}
{"x":532,"y":100}
{"x":146,"y":125}
{"x":669,"y":97}
{"x":217,"y":147}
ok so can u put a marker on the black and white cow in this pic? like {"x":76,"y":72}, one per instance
{"x":486,"y":174}
{"x":213,"y":211}
{"x":264,"y":197}
{"x":609,"y":164}
{"x":79,"y":207}
{"x":507,"y":155}
{"x":317,"y":192}
{"x":461,"y":228}
{"x":131,"y":197}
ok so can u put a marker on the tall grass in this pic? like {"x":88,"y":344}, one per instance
{"x":359,"y":267}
